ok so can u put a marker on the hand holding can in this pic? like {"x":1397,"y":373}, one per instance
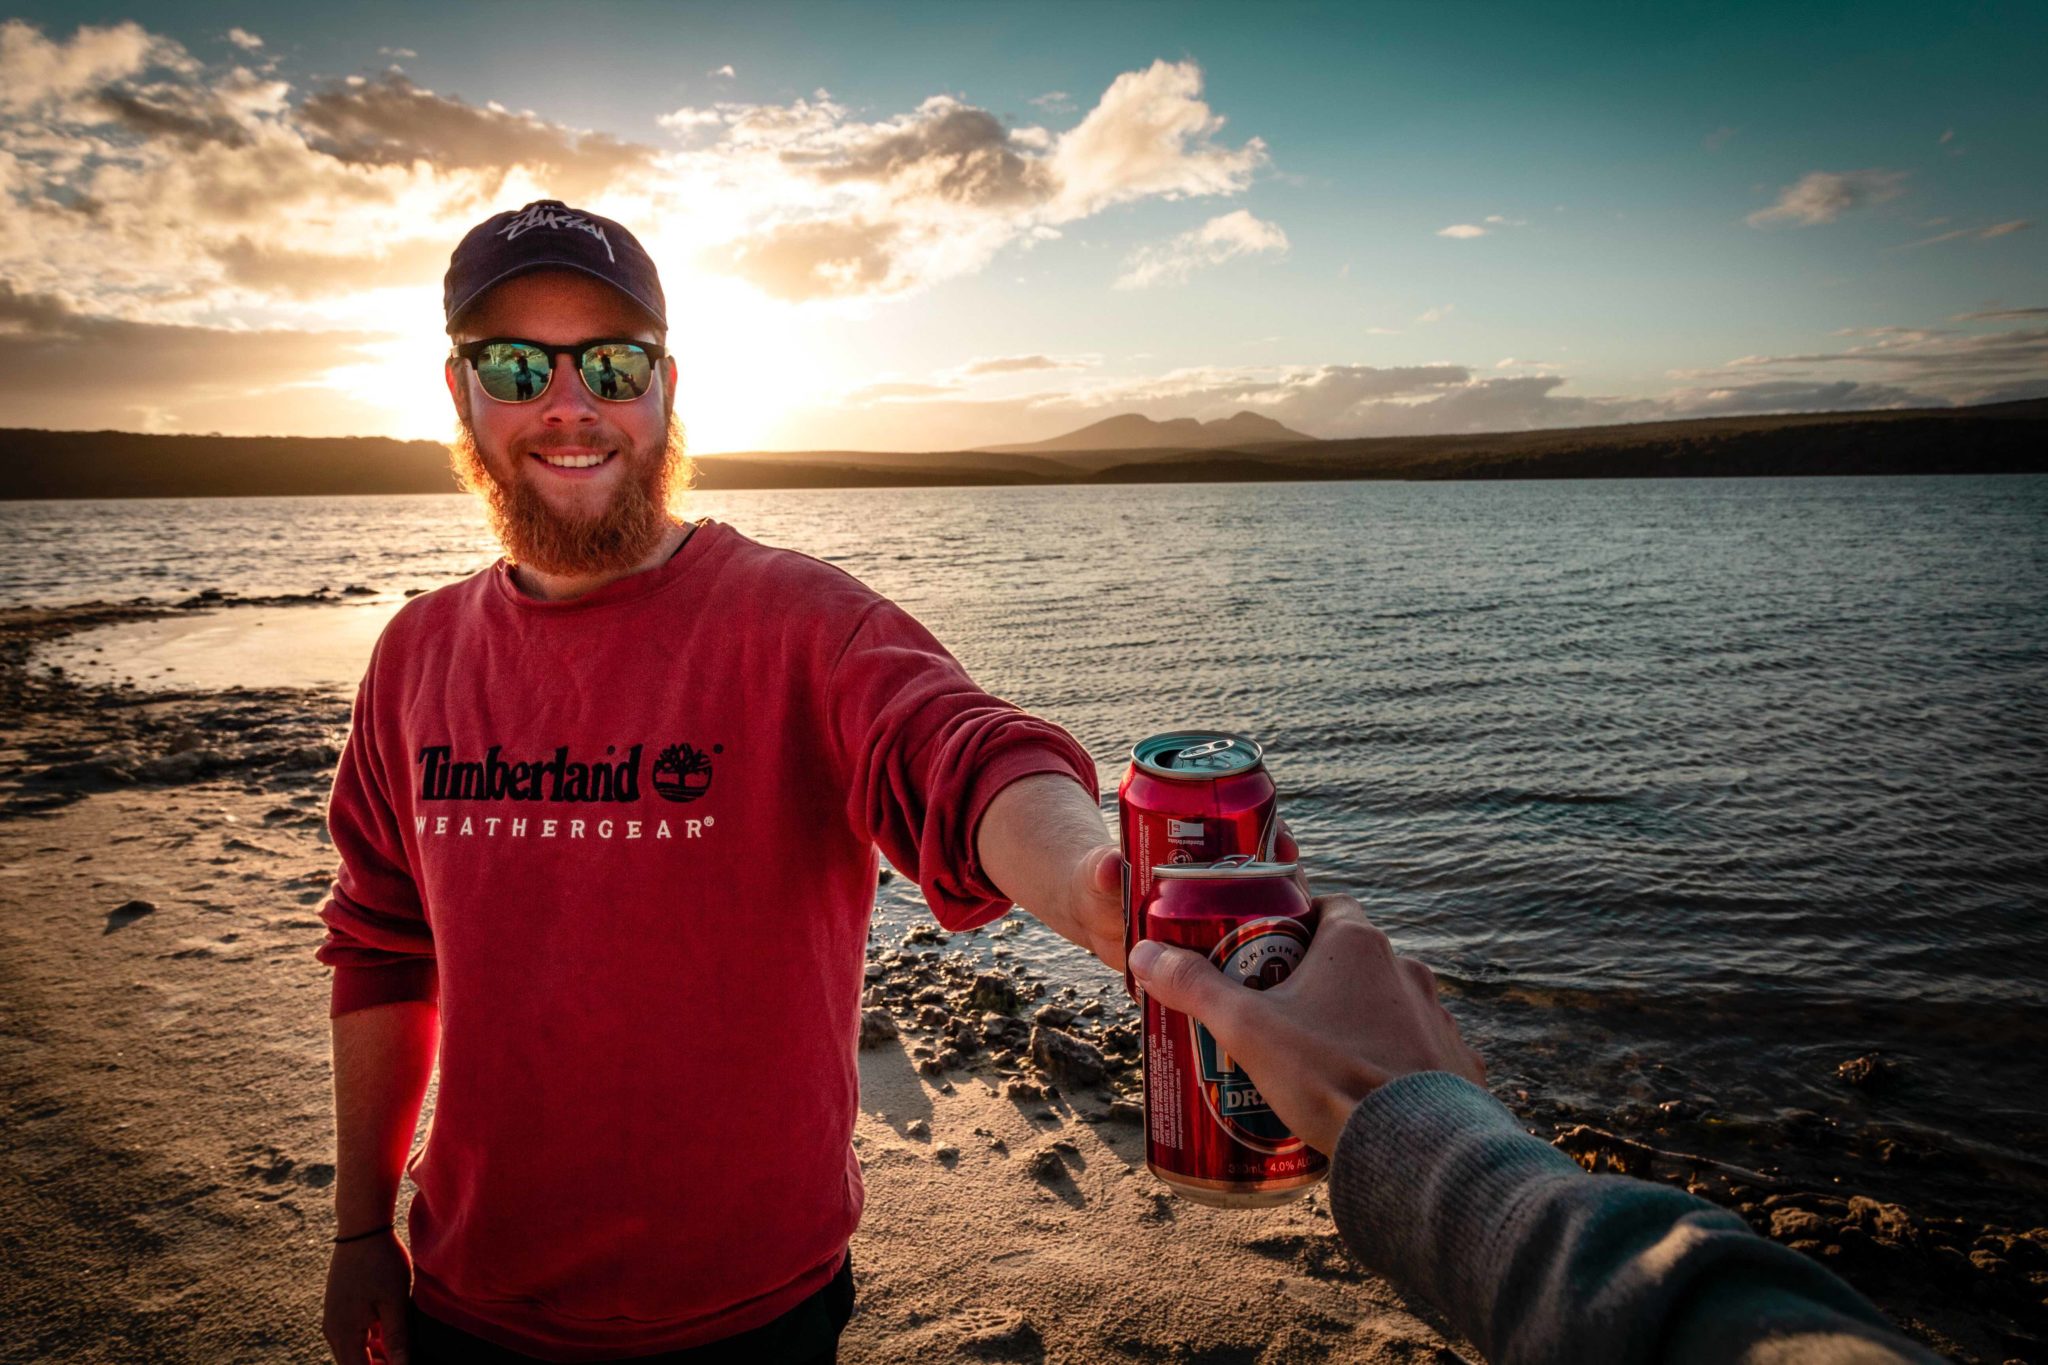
{"x":1352,"y":1016}
{"x":1210,"y":1134}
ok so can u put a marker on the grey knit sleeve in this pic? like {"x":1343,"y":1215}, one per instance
{"x":1435,"y":1186}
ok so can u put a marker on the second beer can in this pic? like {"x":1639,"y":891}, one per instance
{"x":1209,"y":1133}
{"x":1189,"y":798}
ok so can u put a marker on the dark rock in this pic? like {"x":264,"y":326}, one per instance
{"x":179,"y":767}
{"x":1000,"y":1030}
{"x":1884,"y":1222}
{"x":994,"y":992}
{"x":946,"y":1156}
{"x":876,"y":1028}
{"x":126,"y":913}
{"x":917,"y":1128}
{"x":930,"y":995}
{"x":1064,"y":1057}
{"x":1053,"y":1016}
{"x":933,"y":1016}
{"x":924,"y":933}
{"x":1017,"y":1088}
{"x":966,"y":1035}
{"x":1045,"y":1165}
{"x":1793,"y":1225}
{"x":951,"y":1059}
{"x":1126,"y":1111}
{"x":311,"y":756}
{"x":931,"y":1066}
{"x":1871,"y":1072}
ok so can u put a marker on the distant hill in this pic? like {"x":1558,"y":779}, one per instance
{"x":2001,"y":438}
{"x":1132,"y":431}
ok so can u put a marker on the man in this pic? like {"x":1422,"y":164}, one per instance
{"x":1436,"y":1186}
{"x":607,"y":823}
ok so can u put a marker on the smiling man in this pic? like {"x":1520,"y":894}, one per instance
{"x":607,"y":821}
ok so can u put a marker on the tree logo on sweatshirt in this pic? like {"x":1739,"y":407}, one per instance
{"x":683,"y":773}
{"x":1257,"y":954}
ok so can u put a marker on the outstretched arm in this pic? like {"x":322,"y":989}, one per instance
{"x":1043,"y":843}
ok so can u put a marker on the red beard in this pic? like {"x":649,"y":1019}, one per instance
{"x":642,"y":510}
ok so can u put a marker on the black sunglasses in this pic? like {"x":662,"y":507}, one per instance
{"x":513,"y":370}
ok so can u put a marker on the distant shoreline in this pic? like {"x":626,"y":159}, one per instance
{"x":2002,"y":438}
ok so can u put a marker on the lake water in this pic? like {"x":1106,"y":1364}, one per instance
{"x":1691,"y":786}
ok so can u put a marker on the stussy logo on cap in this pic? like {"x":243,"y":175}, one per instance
{"x":540,"y":216}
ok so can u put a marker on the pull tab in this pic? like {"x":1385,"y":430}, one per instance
{"x":1214,"y":746}
{"x":1236,"y":860}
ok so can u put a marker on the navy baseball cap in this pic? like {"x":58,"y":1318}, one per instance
{"x":548,"y":234}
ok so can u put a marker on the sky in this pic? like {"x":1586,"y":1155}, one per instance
{"x":938,"y":226}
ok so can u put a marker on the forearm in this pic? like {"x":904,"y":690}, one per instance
{"x":383,"y":1058}
{"x":1437,"y":1187}
{"x":1033,"y":840}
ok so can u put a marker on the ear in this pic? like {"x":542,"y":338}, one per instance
{"x":668,"y":372}
{"x":457,"y":391}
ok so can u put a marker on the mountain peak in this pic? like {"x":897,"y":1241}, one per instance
{"x":1135,"y":431}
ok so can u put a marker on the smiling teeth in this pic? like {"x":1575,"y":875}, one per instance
{"x":576,"y":461}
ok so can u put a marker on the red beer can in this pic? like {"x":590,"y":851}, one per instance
{"x":1209,"y":1133}
{"x":1191,"y":797}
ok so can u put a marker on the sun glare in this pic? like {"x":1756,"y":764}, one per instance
{"x":744,"y":362}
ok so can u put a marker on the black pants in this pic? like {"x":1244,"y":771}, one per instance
{"x":807,"y":1334}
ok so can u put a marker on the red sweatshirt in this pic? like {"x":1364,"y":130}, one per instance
{"x":628,"y":842}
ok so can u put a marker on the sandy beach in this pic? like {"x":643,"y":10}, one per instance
{"x":167,"y":1157}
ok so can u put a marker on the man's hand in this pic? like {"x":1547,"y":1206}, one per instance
{"x":1043,"y":842}
{"x":1352,"y":1017}
{"x":1095,"y":918}
{"x":368,"y":1284}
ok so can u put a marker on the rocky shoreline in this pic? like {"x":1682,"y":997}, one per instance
{"x":1973,"y":1289}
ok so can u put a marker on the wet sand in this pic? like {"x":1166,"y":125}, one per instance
{"x":166,"y":1145}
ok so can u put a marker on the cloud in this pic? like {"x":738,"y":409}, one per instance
{"x":389,"y":121}
{"x":48,"y":350}
{"x":1150,"y":135}
{"x":35,"y":71}
{"x":1928,"y":366}
{"x":1462,"y":231}
{"x":397,"y":54}
{"x":1437,"y":314}
{"x":1823,"y":196}
{"x":827,"y":258}
{"x":2001,"y":315}
{"x":1020,"y":364}
{"x":846,"y":209}
{"x":946,"y":151}
{"x":1052,"y":102}
{"x":1718,"y":139}
{"x":1984,"y":234}
{"x":725,"y":71}
{"x":1216,"y":241}
{"x":242,"y":38}
{"x":1500,"y":220}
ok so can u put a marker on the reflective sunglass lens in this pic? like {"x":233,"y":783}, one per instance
{"x":511,"y":372}
{"x":617,"y":370}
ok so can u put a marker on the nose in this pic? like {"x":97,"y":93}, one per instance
{"x":567,"y":401}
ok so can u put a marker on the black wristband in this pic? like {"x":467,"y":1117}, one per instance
{"x":362,"y":1236}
